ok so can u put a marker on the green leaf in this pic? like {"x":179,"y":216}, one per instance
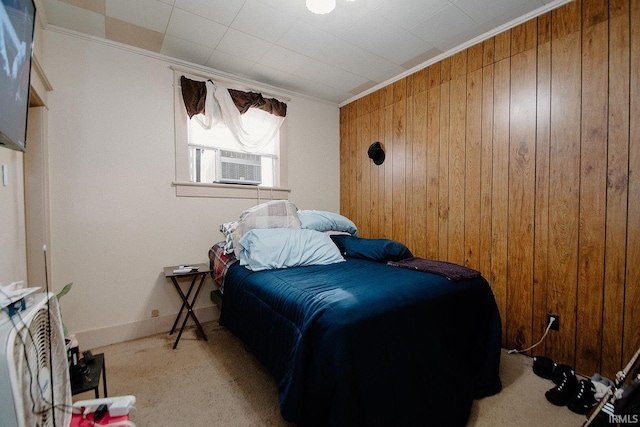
{"x":64,"y":290}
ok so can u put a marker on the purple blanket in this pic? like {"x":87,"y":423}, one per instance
{"x":451,"y":271}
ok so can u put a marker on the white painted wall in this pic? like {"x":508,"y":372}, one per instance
{"x":13,"y":256}
{"x":115,"y":218}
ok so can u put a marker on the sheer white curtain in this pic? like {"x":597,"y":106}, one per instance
{"x":252,"y":134}
{"x":212,"y":114}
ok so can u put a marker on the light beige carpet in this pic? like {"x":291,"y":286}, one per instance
{"x":218,"y":383}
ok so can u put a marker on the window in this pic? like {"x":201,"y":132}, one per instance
{"x":212,"y":163}
{"x":215,"y":156}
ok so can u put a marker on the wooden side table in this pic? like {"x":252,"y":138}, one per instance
{"x":203,"y":270}
{"x":91,"y":379}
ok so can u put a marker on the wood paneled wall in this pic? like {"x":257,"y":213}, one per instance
{"x":520,"y":157}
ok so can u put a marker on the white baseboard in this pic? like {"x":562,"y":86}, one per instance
{"x":143,"y":328}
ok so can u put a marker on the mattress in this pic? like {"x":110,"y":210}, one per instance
{"x":363,"y":343}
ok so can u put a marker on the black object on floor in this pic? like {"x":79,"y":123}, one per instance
{"x":543,"y":366}
{"x":584,"y":399}
{"x":560,"y":394}
{"x":561,"y":371}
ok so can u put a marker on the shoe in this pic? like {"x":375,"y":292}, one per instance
{"x":560,"y":371}
{"x":602,"y":385}
{"x":584,"y":399}
{"x":543,"y":366}
{"x":560,"y":394}
{"x":597,"y":378}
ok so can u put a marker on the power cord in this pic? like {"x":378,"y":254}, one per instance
{"x":513,"y":350}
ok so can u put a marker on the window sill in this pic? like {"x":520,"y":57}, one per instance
{"x":229,"y":191}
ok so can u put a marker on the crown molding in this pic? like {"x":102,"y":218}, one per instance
{"x":176,"y":63}
{"x":511,"y":24}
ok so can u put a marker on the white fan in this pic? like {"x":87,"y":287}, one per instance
{"x":35,"y":389}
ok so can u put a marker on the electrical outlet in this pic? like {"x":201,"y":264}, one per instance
{"x":555,"y":326}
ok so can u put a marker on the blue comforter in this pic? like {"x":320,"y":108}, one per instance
{"x":361,"y":343}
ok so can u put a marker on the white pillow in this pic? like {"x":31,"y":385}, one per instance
{"x":273,"y":214}
{"x":326,"y":221}
{"x":269,"y":248}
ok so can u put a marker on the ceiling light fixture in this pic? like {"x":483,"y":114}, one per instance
{"x":321,"y":7}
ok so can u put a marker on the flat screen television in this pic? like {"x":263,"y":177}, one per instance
{"x":17,"y":23}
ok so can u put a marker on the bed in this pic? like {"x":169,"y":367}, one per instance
{"x":365,"y":340}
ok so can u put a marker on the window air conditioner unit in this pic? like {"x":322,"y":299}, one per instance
{"x":238,"y":168}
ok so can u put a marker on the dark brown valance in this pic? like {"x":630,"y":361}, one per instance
{"x":194,"y":94}
{"x":246,"y":100}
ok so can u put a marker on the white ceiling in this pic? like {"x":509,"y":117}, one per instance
{"x":335,"y":57}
